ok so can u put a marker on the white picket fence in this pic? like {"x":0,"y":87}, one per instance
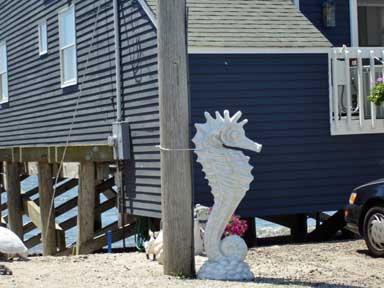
{"x":353,"y":73}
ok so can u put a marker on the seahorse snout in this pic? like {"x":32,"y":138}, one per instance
{"x":248,"y":144}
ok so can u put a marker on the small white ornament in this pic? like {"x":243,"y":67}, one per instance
{"x":200,"y":221}
{"x":154,"y":246}
{"x":229,"y":175}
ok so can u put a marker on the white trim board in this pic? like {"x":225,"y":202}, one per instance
{"x":354,"y":23}
{"x":149,"y":12}
{"x":297,"y":4}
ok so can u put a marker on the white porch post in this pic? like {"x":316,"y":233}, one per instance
{"x":354,"y":22}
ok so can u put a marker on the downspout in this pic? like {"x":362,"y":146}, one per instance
{"x":117,"y":59}
{"x":118,"y":136}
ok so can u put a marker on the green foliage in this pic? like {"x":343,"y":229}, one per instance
{"x":377,"y":94}
{"x":182,"y":276}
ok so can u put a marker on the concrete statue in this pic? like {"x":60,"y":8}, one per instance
{"x":229,"y":175}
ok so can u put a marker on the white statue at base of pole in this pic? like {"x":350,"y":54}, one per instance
{"x":229,"y":175}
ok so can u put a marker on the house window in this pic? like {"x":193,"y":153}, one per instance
{"x":367,"y":24}
{"x":3,"y":73}
{"x":68,"y":61}
{"x":43,"y":38}
{"x":371,"y":24}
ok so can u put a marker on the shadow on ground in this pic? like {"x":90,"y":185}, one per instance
{"x":364,"y":252}
{"x":287,"y":282}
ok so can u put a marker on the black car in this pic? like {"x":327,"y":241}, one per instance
{"x":365,"y":215}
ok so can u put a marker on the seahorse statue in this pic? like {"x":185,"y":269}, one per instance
{"x":229,"y":175}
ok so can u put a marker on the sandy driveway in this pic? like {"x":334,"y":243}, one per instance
{"x":337,"y":264}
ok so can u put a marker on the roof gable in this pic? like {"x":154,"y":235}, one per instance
{"x":248,"y":24}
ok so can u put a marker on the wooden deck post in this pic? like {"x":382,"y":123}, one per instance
{"x":299,"y":228}
{"x":48,"y":229}
{"x":86,"y":205}
{"x":176,"y":182}
{"x":15,"y":208}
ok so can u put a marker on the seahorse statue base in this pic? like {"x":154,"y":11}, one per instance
{"x":231,"y":267}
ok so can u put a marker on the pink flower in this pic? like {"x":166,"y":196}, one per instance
{"x":235,"y":226}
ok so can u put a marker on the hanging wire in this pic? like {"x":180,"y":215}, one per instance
{"x":74,"y":115}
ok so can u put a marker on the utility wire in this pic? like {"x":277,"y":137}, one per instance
{"x":74,"y":115}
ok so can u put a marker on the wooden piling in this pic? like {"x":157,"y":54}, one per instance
{"x":47,"y":213}
{"x":86,"y":206}
{"x":176,"y":183}
{"x":299,"y":228}
{"x":15,"y":209}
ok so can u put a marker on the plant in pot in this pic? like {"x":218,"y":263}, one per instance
{"x":377,"y":93}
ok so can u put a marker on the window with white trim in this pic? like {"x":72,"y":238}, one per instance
{"x":370,"y":23}
{"x":3,"y":73}
{"x":43,"y":38}
{"x":68,"y":61}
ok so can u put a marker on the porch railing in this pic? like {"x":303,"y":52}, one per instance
{"x":353,"y":74}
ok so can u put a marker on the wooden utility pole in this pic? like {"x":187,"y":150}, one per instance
{"x":176,"y":186}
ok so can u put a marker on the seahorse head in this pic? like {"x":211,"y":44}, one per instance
{"x":224,"y":131}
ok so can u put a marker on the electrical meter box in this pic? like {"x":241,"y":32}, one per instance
{"x":121,"y":141}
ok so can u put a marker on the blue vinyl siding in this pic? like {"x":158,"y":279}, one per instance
{"x":141,"y":106}
{"x":285,"y":98}
{"x":338,"y":35}
{"x":39,"y":112}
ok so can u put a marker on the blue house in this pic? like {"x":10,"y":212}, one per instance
{"x":300,"y":71}
{"x":278,"y":62}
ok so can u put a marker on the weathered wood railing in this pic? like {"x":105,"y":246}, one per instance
{"x":353,"y":73}
{"x":31,"y":207}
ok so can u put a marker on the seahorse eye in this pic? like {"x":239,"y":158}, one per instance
{"x":232,"y":136}
{"x":235,"y":135}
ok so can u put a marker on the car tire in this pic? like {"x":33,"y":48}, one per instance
{"x":374,"y":231}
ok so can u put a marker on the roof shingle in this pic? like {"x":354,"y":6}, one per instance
{"x":248,"y":24}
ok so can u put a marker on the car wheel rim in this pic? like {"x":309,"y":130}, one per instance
{"x":376,"y":231}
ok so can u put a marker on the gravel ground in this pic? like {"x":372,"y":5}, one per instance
{"x":335,"y":264}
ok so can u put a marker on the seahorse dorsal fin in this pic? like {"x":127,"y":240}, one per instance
{"x":208,"y":117}
{"x":236,"y":117}
{"x":218,"y":116}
